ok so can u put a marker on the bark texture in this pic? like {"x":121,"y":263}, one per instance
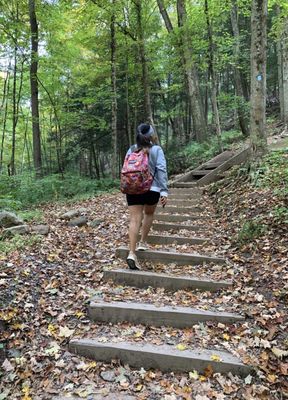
{"x":213,"y":76}
{"x":114,"y":95}
{"x":258,"y":76}
{"x":34,"y":89}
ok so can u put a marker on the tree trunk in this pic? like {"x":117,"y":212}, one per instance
{"x":34,"y":90}
{"x":4,"y":106}
{"x":148,"y":115}
{"x":114,"y":95}
{"x":280,"y":70}
{"x":258,"y":77}
{"x":284,"y":59}
{"x":128,"y":122}
{"x":199,"y":126}
{"x":213,"y":77}
{"x":243,"y":118}
{"x":11,"y":166}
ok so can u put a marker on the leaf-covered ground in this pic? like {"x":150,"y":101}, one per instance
{"x":45,"y":290}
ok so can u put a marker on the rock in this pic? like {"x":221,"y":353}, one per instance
{"x":96,"y":222}
{"x":74,"y":213}
{"x":83,"y":210}
{"x":8,"y":219}
{"x":108,"y":376}
{"x":70,"y":214}
{"x":80,"y":221}
{"x":40,"y":229}
{"x":16,"y":230}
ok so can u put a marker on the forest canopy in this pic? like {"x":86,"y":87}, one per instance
{"x":77,"y":77}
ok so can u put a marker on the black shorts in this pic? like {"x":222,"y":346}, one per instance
{"x":150,"y":198}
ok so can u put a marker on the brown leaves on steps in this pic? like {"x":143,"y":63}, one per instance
{"x":44,"y":291}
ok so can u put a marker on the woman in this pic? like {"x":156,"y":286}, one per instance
{"x":142,"y":206}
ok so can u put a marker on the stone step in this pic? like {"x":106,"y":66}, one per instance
{"x":171,"y":257}
{"x":157,"y":239}
{"x":164,"y":357}
{"x":184,"y":190}
{"x":144,"y":279}
{"x":185,"y":185}
{"x":178,"y":218}
{"x":179,"y":210}
{"x":185,"y":196}
{"x":148,"y":314}
{"x":168,"y":227}
{"x":183,"y":203}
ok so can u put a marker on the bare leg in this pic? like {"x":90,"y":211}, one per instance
{"x":136,"y":215}
{"x":147,"y":221}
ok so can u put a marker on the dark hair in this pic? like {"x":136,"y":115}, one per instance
{"x":143,"y":138}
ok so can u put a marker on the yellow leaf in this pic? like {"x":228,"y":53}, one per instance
{"x":138,"y":334}
{"x":181,"y":346}
{"x":271,"y":378}
{"x":79,"y":314}
{"x":52,"y":329}
{"x":216,"y":358}
{"x":26,"y":392}
{"x":226,"y":336}
{"x":193,"y":375}
{"x":17,"y":327}
{"x":92,"y":364}
{"x":202,"y":378}
{"x":138,"y":388}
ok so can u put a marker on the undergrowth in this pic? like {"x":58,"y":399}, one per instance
{"x":23,"y":191}
{"x":256,"y":196}
{"x":18,"y":242}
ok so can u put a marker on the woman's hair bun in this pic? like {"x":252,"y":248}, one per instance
{"x":145,"y":129}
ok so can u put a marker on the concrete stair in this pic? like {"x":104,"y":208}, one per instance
{"x":148,"y":314}
{"x":164,"y":357}
{"x":171,"y":257}
{"x":165,"y":240}
{"x":158,"y":226}
{"x":178,"y":218}
{"x":144,"y":279}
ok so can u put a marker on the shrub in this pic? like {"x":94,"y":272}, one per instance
{"x":250,"y":230}
{"x":23,"y":191}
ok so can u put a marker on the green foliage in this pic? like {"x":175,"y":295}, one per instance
{"x":31,"y":215}
{"x":281,"y":213}
{"x":250,"y":231}
{"x":18,"y":242}
{"x":22,"y":191}
{"x":273,"y":172}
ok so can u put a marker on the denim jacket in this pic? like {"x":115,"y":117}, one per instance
{"x":157,"y":166}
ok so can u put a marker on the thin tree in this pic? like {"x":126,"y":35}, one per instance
{"x":191,"y":74}
{"x":211,"y":68}
{"x":258,"y":77}
{"x":243,"y":119}
{"x":34,"y":90}
{"x":113,"y":93}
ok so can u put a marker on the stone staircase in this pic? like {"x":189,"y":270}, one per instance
{"x":184,"y":202}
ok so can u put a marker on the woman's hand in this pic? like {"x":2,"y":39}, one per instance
{"x":163,"y":200}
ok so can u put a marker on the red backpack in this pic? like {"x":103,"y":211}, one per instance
{"x":136,"y":177}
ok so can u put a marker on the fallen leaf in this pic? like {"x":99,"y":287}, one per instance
{"x":181,"y":347}
{"x":279,"y":352}
{"x":65,"y":331}
{"x":216,"y":358}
